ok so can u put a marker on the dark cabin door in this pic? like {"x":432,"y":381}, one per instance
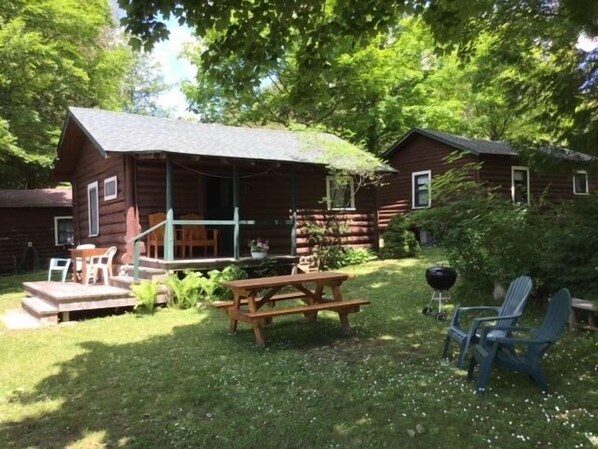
{"x":219,"y":206}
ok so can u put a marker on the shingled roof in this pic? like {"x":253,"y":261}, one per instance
{"x":36,"y":198}
{"x":479,"y":146}
{"x":118,"y":132}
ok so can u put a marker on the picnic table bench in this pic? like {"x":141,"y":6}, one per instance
{"x":587,"y":306}
{"x":251,"y":295}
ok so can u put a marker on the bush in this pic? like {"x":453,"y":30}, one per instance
{"x":194,"y":286}
{"x":486,"y":237}
{"x":211,"y":288}
{"x":146,"y":293}
{"x":570,"y":258}
{"x":399,"y":239}
{"x":345,"y":256}
{"x":325,"y":234}
{"x":184,"y":290}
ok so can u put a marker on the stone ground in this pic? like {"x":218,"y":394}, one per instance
{"x":18,"y":320}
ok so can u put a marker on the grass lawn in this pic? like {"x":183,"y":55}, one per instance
{"x":178,"y":380}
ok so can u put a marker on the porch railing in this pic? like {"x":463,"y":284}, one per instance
{"x":170,"y":223}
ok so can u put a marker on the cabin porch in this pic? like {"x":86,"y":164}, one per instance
{"x":209,"y":263}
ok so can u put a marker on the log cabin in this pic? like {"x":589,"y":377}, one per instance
{"x":245,"y":182}
{"x":36,"y":225}
{"x":422,"y":154}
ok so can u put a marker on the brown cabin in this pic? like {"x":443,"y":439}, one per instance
{"x":421,"y":154}
{"x":36,"y":225}
{"x":245,"y":182}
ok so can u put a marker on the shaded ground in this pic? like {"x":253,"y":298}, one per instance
{"x":178,"y":380}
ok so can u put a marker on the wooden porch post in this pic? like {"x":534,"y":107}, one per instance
{"x":237,"y":234}
{"x":293,"y":186}
{"x":169,"y":230}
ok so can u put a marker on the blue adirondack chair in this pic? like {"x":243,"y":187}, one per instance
{"x":503,"y":350}
{"x":505,"y":315}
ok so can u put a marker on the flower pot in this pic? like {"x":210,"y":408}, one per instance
{"x":258,"y":254}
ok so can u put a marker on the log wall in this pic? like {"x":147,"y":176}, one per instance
{"x":93,"y":167}
{"x":22,"y":225}
{"x":553,"y":187}
{"x":422,"y":153}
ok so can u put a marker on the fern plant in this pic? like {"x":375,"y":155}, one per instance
{"x":146,"y":293}
{"x":184,"y":291}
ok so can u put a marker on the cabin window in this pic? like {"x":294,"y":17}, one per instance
{"x":110,"y":188}
{"x":93,"y":212}
{"x":520,"y":185}
{"x":580,"y":182}
{"x":340,"y":192}
{"x":64,"y":231}
{"x":421,"y":197}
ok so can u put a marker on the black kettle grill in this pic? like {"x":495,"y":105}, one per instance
{"x":441,"y":279}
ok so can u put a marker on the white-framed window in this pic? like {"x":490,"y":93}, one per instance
{"x":64,"y":231}
{"x":340,"y":192}
{"x":520,"y":191}
{"x":110,"y":188}
{"x":420,"y":188}
{"x":93,"y":209}
{"x":580,"y":182}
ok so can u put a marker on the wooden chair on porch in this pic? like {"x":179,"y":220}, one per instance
{"x":155,"y":239}
{"x":198,"y":235}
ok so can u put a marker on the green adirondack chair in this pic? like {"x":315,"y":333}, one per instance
{"x":523,"y":355}
{"x":505,"y":315}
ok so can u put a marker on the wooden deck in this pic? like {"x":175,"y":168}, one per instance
{"x":52,"y":302}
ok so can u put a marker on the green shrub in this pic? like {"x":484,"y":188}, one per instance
{"x":211,"y":288}
{"x":325,"y":233}
{"x":345,"y":256}
{"x":185,"y":290}
{"x":193,"y":287}
{"x":146,"y":293}
{"x":570,"y":257}
{"x":487,"y":238}
{"x":399,"y":239}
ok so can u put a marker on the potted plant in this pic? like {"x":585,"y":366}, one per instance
{"x":258,"y":248}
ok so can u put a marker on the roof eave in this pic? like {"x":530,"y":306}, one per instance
{"x":102,"y":150}
{"x":393,"y":149}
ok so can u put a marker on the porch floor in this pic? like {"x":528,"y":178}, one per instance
{"x":216,"y":262}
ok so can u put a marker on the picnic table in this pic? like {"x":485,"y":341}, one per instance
{"x":252,"y":295}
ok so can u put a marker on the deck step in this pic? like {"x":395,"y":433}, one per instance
{"x":45,"y":312}
{"x":121,"y":281}
{"x":149,"y":273}
{"x":125,"y":282}
{"x":66,"y":295}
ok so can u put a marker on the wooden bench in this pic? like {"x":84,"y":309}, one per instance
{"x":343,"y":308}
{"x":584,"y":305}
{"x":351,"y":305}
{"x":244,"y":301}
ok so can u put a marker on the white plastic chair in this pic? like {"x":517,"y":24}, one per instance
{"x":61,"y":265}
{"x":101,"y":263}
{"x":79,"y":261}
